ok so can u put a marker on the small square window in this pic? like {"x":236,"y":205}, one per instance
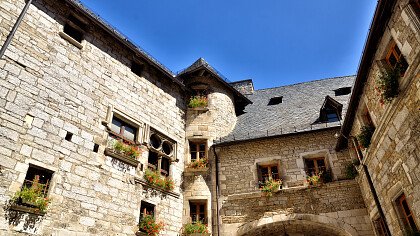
{"x":342,"y":91}
{"x":137,"y":68}
{"x":198,"y":211}
{"x":198,"y":150}
{"x":153,"y":160}
{"x":123,"y":129}
{"x":315,"y":166}
{"x":267,"y":172}
{"x":74,"y":28}
{"x":380,"y":227}
{"x":146,"y":209}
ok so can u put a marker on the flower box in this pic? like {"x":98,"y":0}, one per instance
{"x":25,"y":209}
{"x":121,"y":157}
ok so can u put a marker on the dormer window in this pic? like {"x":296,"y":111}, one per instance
{"x":342,"y":91}
{"x":330,"y":111}
{"x":275,"y":101}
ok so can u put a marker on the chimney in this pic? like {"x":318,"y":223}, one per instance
{"x":246,"y":87}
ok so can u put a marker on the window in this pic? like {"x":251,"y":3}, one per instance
{"x":153,"y":160}
{"x":395,"y":59}
{"x":74,"y":28}
{"x":164,"y":170}
{"x":332,"y":115}
{"x":161,"y":153}
{"x":342,"y":91}
{"x":198,"y":211}
{"x":405,"y":213}
{"x":146,"y":209}
{"x":198,"y":150}
{"x":275,"y":101}
{"x":267,"y":172}
{"x":314,"y":166}
{"x":123,"y":129}
{"x":38,"y":175}
{"x":137,"y":68}
{"x":367,"y":119}
{"x":380,"y":227}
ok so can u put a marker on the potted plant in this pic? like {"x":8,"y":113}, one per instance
{"x":154,"y":179}
{"x":32,"y":197}
{"x":313,"y":180}
{"x":271,"y":186}
{"x":120,"y":147}
{"x":388,"y":86}
{"x":149,"y":225}
{"x":199,"y":164}
{"x":198,"y":101}
{"x":196,"y":229}
{"x":365,"y":136}
{"x":123,"y":150}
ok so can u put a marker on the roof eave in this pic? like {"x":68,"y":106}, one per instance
{"x":381,"y":17}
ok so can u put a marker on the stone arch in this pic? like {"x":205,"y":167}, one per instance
{"x":296,"y":224}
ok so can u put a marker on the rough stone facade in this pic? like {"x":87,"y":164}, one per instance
{"x":392,"y":158}
{"x":58,"y":98}
{"x":242,"y":202}
{"x":67,"y":89}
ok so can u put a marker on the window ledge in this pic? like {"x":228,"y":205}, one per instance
{"x":164,"y":192}
{"x":25,"y":209}
{"x":198,"y":108}
{"x":70,"y":40}
{"x":127,"y":160}
{"x":192,"y":171}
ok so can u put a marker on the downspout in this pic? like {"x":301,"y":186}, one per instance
{"x":371,"y":187}
{"x":14,"y":29}
{"x":375,"y":197}
{"x":217,"y":190}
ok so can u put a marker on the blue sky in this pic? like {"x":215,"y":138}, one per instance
{"x":274,"y":42}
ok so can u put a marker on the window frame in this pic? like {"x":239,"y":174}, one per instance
{"x":379,"y":226}
{"x":161,"y":155}
{"x":34,"y":168}
{"x":394,"y":50}
{"x":124,"y":124}
{"x":269,"y":165}
{"x":197,"y":204}
{"x":403,"y":216}
{"x":315,"y":162}
{"x":197,"y":151}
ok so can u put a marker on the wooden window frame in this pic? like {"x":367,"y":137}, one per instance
{"x":405,"y":216}
{"x":261,"y":178}
{"x":399,"y":57}
{"x":197,"y":204}
{"x":197,"y":151}
{"x":380,"y":228}
{"x":143,"y":210}
{"x":160,"y":152}
{"x":315,"y":161}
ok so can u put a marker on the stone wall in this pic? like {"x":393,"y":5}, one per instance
{"x":50,"y":87}
{"x":393,"y":156}
{"x":243,"y":204}
{"x":338,"y":204}
{"x":238,"y":172}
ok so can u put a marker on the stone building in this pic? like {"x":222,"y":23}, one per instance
{"x":109,"y":135}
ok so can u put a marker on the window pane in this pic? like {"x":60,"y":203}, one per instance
{"x":153,"y":160}
{"x":202,"y":147}
{"x":129,"y":132}
{"x":193,"y":147}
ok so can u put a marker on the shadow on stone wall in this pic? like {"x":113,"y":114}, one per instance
{"x":21,"y":220}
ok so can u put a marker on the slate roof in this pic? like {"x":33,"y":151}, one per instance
{"x":298,"y":111}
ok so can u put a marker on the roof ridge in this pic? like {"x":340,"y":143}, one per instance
{"x":306,"y":82}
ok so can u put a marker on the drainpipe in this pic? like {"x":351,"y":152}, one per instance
{"x":217,"y":190}
{"x":375,"y":197}
{"x":369,"y":179}
{"x":14,"y":29}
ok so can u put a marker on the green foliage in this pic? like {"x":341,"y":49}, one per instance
{"x":131,"y":151}
{"x":365,"y":136}
{"x":198,"y":101}
{"x":155,"y":179}
{"x":351,"y":171}
{"x":33,"y":195}
{"x":270,"y":186}
{"x":314,"y":179}
{"x":197,"y":164}
{"x":388,"y":84}
{"x":197,"y":227}
{"x":149,"y":225}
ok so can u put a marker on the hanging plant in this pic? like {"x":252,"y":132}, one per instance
{"x":388,"y":86}
{"x":365,"y":136}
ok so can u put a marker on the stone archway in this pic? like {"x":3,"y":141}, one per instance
{"x":296,"y":225}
